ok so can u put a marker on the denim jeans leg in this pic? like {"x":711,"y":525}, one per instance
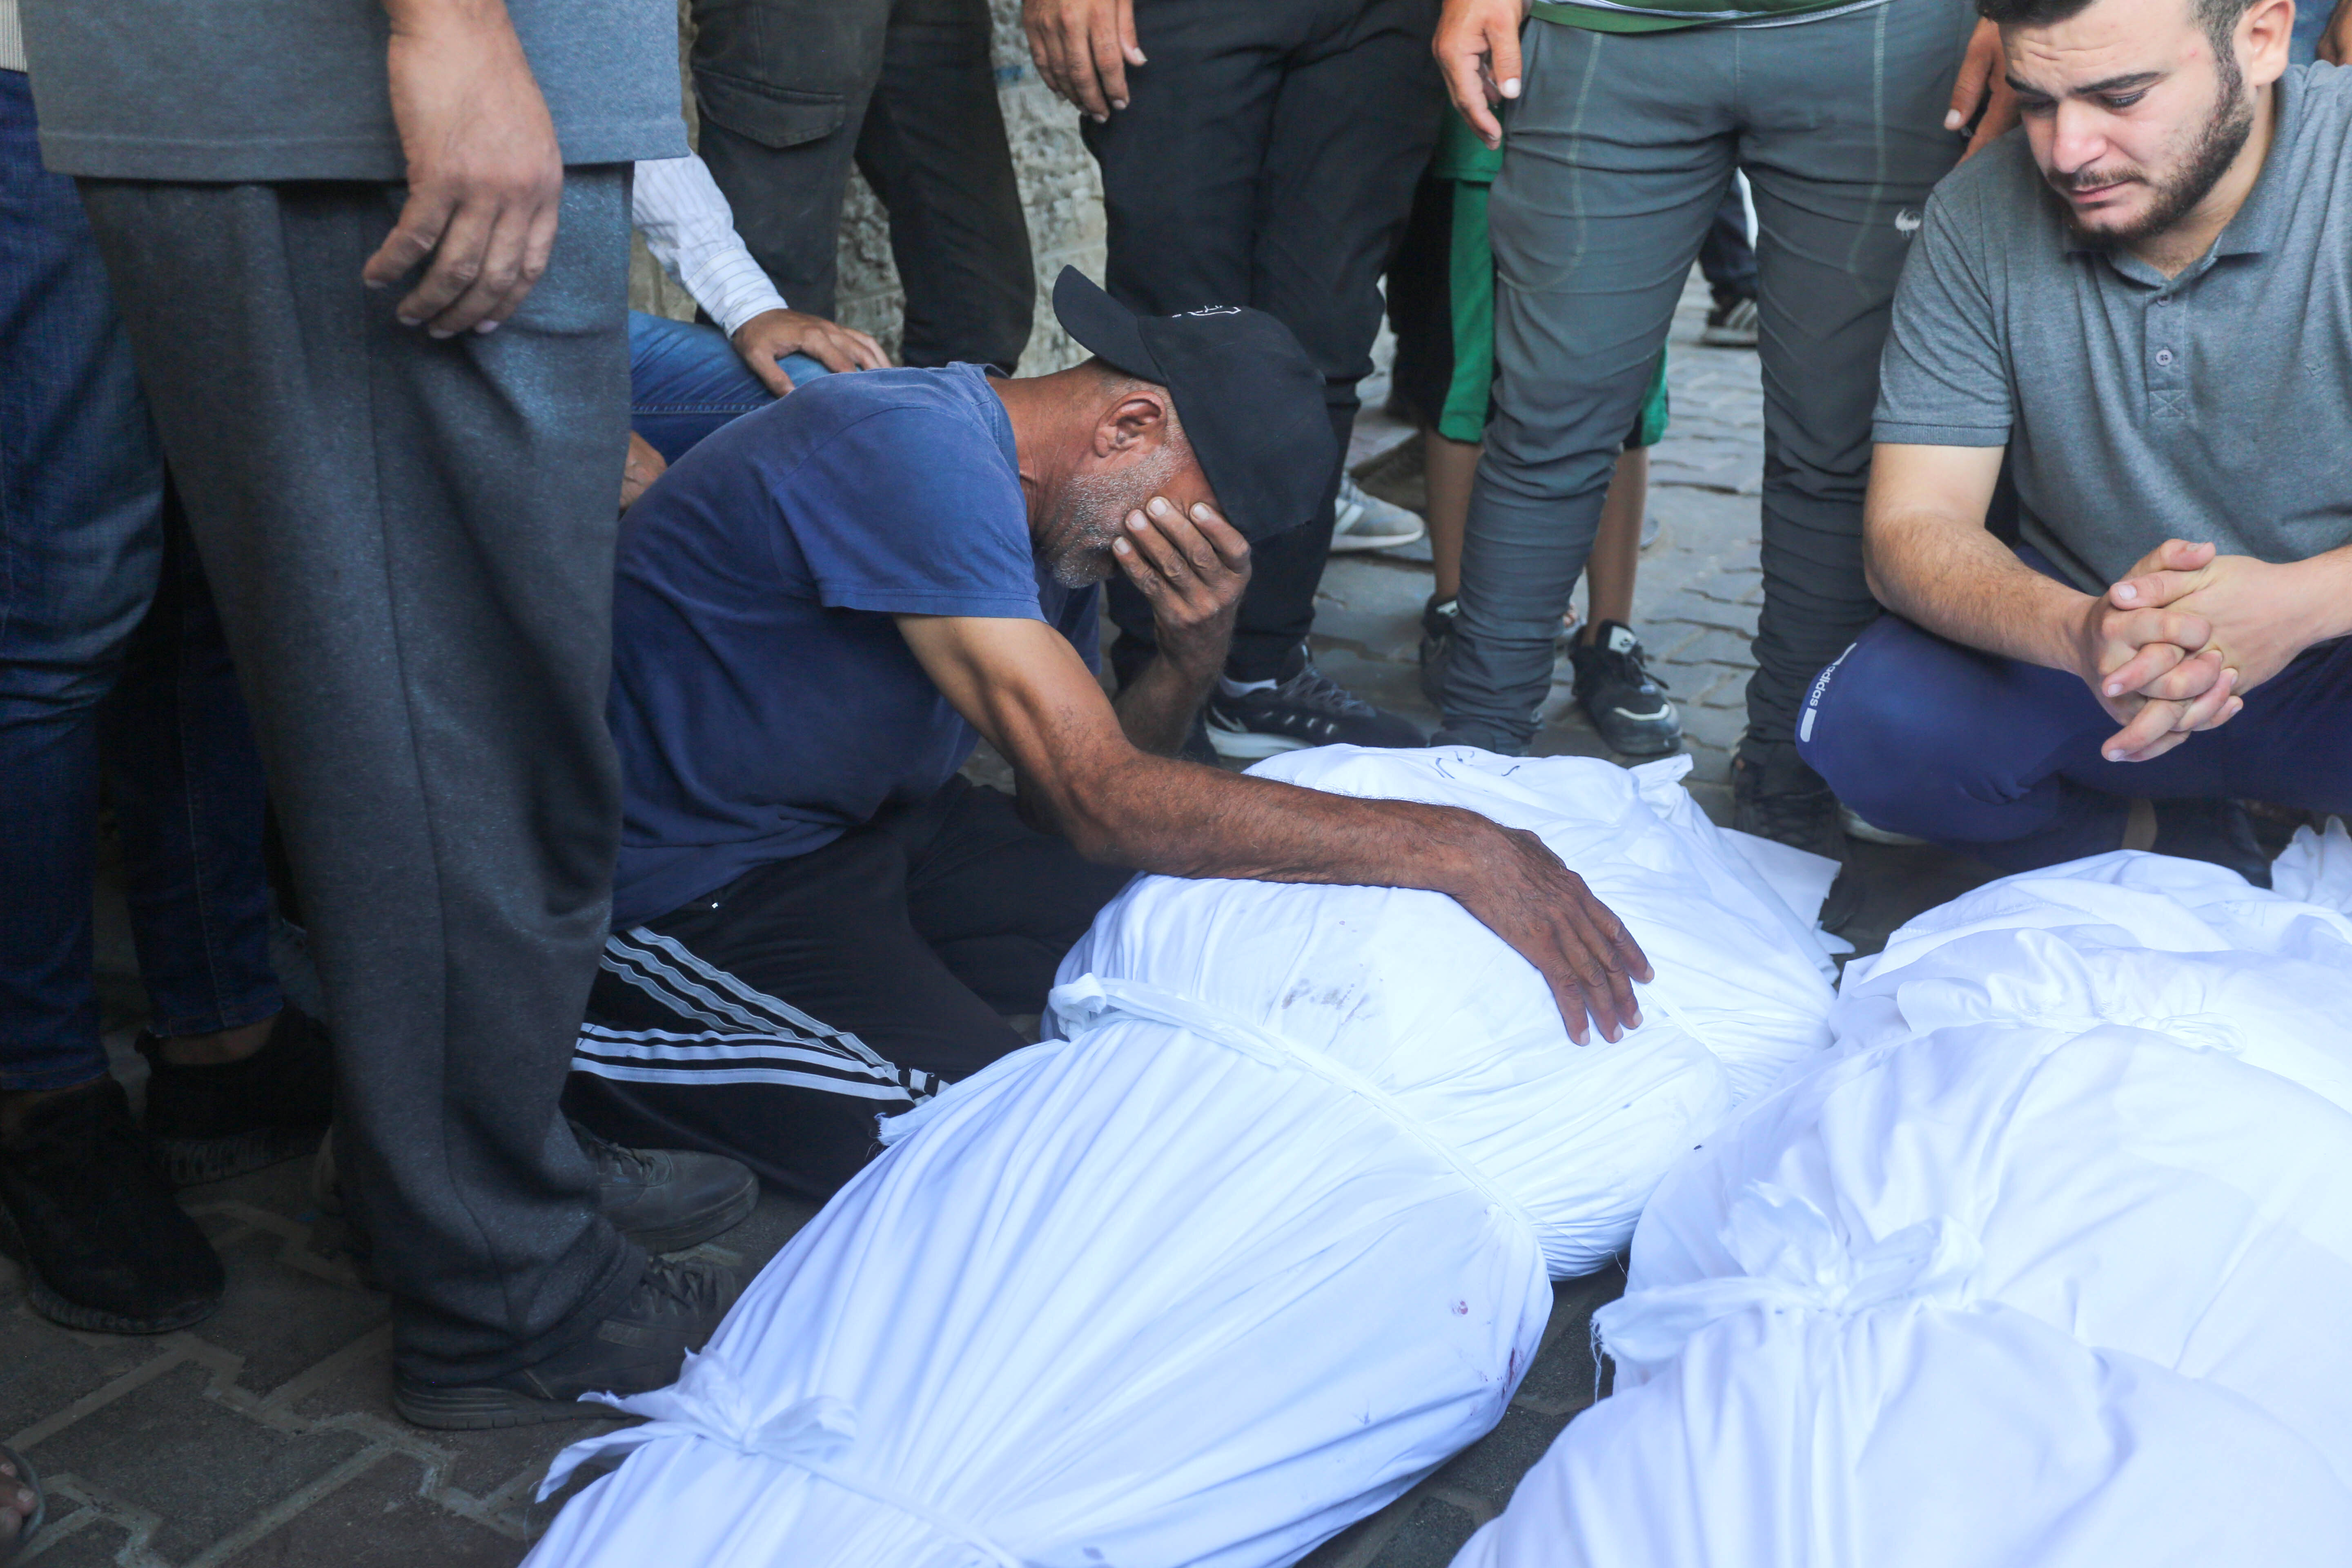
{"x":686,"y":380}
{"x":184,"y":773}
{"x":80,"y":547}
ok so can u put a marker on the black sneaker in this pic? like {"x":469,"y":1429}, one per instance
{"x":209,"y":1123}
{"x":1625,"y":702}
{"x":667,"y":1200}
{"x":86,"y":1213}
{"x":1309,"y":709}
{"x":1437,"y":618}
{"x":1781,"y":799}
{"x":674,"y":1309}
{"x":1731,"y":324}
{"x":2216,"y":831}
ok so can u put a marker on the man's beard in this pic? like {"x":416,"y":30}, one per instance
{"x":2216,"y":146}
{"x":1092,"y":513}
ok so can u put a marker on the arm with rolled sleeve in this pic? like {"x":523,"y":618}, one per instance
{"x":690,"y":230}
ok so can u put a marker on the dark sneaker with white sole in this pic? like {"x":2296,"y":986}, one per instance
{"x":1731,"y":324}
{"x":1625,"y":702}
{"x":212,"y":1122}
{"x":2219,"y":832}
{"x":674,"y":1309}
{"x":85,"y":1210}
{"x":667,"y":1200}
{"x":1309,"y":709}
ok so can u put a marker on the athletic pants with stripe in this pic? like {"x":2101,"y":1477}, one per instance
{"x":775,"y":1019}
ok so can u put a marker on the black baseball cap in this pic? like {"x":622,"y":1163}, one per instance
{"x":1250,"y":399}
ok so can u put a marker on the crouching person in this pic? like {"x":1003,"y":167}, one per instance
{"x":817,"y":613}
{"x":2145,"y":297}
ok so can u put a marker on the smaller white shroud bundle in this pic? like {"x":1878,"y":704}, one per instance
{"x":1257,"y":1248}
{"x":2047,"y":1262}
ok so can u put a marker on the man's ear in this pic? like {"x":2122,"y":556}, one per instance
{"x":2262,"y":38}
{"x":1136,"y":423}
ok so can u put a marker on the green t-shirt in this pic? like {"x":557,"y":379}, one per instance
{"x":1663,"y":16}
{"x":1462,"y":156}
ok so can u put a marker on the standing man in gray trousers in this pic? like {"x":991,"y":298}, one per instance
{"x":793,"y":92}
{"x":1625,"y":121}
{"x":371,"y":256}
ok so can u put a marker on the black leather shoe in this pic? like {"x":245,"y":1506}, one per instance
{"x":85,"y":1210}
{"x":674,"y":1309}
{"x":667,"y":1200}
{"x":210,"y":1123}
{"x":2217,"y":831}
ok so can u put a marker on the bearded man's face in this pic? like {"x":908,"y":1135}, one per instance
{"x":2132,"y":113}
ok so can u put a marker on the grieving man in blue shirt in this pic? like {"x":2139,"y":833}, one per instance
{"x":820,"y":610}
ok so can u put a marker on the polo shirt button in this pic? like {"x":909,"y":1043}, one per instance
{"x":2164,"y":356}
{"x":2163,"y":299}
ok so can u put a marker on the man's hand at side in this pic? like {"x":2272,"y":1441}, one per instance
{"x":1083,"y":48}
{"x":640,"y":468}
{"x":1983,"y":82}
{"x":484,"y":175}
{"x":1023,"y":686}
{"x":1478,"y":49}
{"x":1191,"y":570}
{"x":771,"y":334}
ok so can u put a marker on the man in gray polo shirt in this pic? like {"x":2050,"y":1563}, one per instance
{"x":372,"y":256}
{"x":2144,"y":299}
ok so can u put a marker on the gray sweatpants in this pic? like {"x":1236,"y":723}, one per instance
{"x":1617,"y":153}
{"x":412,"y":546}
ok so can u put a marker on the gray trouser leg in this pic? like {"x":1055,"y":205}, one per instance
{"x":1619,"y":150}
{"x":1839,"y":181}
{"x":412,"y":546}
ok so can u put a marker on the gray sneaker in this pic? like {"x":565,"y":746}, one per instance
{"x":1367,"y":522}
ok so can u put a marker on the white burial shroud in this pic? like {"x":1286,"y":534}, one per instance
{"x":2047,"y":1262}
{"x":1256,"y":1247}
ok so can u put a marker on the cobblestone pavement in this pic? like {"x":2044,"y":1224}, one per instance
{"x":266,"y":1435}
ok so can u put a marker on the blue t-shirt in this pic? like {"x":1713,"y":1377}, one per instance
{"x":764,"y":700}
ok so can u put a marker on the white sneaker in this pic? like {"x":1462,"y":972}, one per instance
{"x":1368,"y":522}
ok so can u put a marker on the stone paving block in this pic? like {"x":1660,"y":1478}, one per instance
{"x":1706,"y":645}
{"x":43,"y":1368}
{"x":280,"y":1318}
{"x":78,"y":1536}
{"x":1709,"y":733}
{"x":381,"y":1518}
{"x":1431,"y":1535}
{"x":1492,"y":1465}
{"x":201,"y":1468}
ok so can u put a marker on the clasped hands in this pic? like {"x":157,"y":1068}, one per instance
{"x":2171,"y":649}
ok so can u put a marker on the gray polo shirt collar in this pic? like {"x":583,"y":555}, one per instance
{"x":2256,"y":228}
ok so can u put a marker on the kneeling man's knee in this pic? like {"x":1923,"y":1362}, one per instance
{"x":1874,"y":724}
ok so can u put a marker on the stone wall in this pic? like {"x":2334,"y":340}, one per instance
{"x":1059,"y":188}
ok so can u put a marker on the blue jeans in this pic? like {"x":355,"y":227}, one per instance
{"x":686,"y":380}
{"x":110,"y":653}
{"x":2001,"y":759}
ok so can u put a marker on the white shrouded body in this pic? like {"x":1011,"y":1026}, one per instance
{"x":1258,"y":1248}
{"x":2045,"y":1262}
